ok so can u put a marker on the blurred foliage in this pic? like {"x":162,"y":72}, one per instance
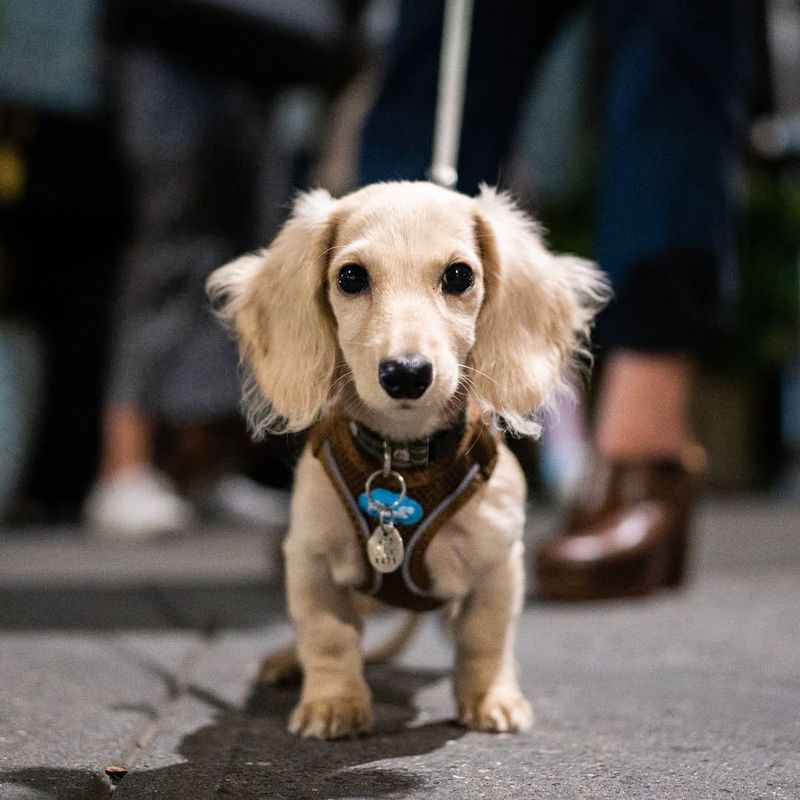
{"x":763,"y":327}
{"x":767,"y":320}
{"x":569,"y":220}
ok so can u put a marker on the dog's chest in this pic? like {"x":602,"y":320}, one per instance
{"x":422,"y":522}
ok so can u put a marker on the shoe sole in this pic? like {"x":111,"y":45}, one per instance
{"x":632,"y":577}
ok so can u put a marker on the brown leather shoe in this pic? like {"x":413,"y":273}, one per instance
{"x":628,"y":535}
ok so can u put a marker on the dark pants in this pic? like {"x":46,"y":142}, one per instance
{"x":672,"y":112}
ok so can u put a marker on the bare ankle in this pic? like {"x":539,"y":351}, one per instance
{"x":643,"y":409}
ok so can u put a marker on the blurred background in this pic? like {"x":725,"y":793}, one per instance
{"x":145,"y":142}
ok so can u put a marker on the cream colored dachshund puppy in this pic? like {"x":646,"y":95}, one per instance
{"x":404,"y":323}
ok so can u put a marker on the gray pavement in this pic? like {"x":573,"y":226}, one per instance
{"x":143,"y":657}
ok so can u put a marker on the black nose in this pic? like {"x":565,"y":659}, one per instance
{"x":406,"y":378}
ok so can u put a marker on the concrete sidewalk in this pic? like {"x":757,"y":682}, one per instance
{"x":142,"y":657}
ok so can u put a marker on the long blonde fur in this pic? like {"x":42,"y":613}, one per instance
{"x":274,"y":302}
{"x":536,"y":316}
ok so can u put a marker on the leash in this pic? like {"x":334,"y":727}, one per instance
{"x":450,"y":97}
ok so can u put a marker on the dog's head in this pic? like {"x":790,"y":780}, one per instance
{"x":401,"y":298}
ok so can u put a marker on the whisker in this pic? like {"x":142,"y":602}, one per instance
{"x":329,"y":250}
{"x":345,"y":376}
{"x":481,"y":373}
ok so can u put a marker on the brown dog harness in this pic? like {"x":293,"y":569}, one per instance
{"x":455,"y":470}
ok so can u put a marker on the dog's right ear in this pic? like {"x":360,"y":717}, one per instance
{"x":536,"y":314}
{"x":274,"y":302}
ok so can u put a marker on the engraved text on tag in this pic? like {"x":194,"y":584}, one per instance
{"x":385,"y":548}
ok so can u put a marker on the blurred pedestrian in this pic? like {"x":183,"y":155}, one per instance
{"x":194,"y":86}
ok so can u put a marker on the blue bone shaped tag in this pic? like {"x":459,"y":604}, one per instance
{"x":409,"y":512}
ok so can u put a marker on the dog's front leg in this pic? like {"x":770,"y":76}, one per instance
{"x":335,"y":699}
{"x":486,"y":687}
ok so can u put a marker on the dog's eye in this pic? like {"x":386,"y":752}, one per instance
{"x":353,"y":279}
{"x":457,"y":278}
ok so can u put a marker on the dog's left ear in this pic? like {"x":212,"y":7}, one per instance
{"x":536,"y":314}
{"x":274,"y":302}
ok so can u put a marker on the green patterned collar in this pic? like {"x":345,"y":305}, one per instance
{"x":418,"y":453}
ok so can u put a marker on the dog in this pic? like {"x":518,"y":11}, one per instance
{"x":405,"y":324}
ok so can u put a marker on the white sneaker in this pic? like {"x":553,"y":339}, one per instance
{"x":237,"y":498}
{"x":137,"y":504}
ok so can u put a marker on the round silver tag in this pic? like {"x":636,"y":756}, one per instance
{"x":385,"y":548}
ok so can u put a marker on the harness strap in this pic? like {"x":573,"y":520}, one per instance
{"x":442,"y":489}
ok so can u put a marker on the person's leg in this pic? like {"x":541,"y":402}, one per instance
{"x":194,"y":145}
{"x":672,"y":123}
{"x":162,"y":124}
{"x":678,"y":78}
{"x":127,"y":434}
{"x":670,"y":134}
{"x":643,"y":406}
{"x":671,"y":130}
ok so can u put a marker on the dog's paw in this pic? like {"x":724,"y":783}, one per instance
{"x":497,"y":711}
{"x":332,"y":718}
